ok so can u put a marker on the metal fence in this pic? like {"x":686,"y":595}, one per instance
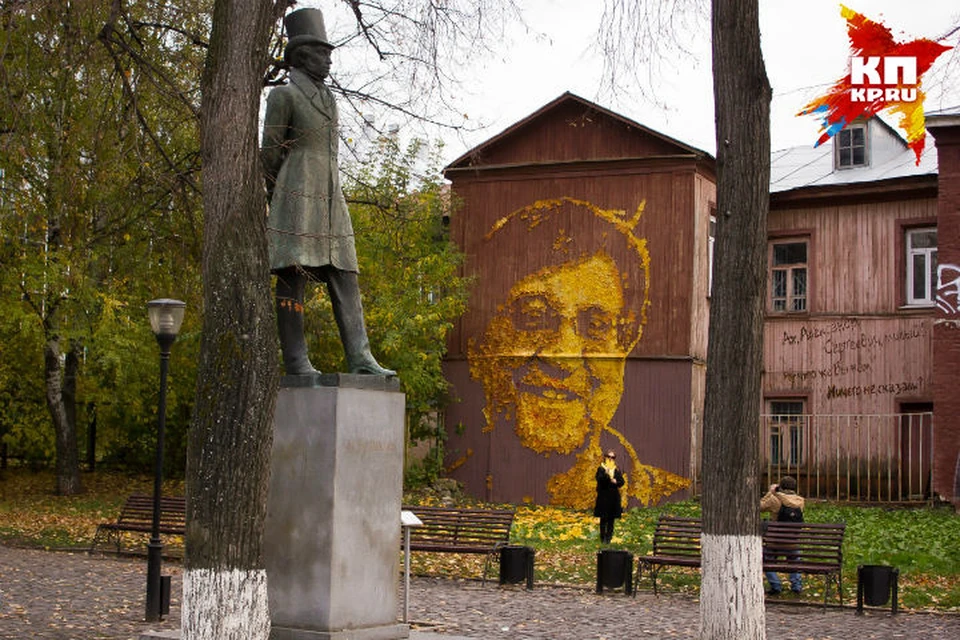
{"x":858,"y":458}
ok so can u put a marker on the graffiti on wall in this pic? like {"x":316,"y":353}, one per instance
{"x":886,"y":388}
{"x":847,"y":348}
{"x":551,"y":359}
{"x":948,"y":288}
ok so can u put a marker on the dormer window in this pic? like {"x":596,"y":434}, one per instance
{"x":851,"y":146}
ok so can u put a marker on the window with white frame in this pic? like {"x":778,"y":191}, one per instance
{"x":851,"y":146}
{"x":788,"y":276}
{"x":921,"y":246}
{"x":787,"y":421}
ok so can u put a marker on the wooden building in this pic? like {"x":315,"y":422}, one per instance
{"x":848,"y":336}
{"x":590,"y":240}
{"x":588,"y":236}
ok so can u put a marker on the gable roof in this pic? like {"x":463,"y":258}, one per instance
{"x":476,"y":156}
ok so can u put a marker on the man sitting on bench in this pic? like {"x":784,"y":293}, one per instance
{"x":785,"y":505}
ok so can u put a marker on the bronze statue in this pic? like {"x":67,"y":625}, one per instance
{"x":309,"y":231}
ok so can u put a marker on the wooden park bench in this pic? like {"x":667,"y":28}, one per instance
{"x":802,"y":547}
{"x":813,"y":548}
{"x":676,"y":542}
{"x":456,"y":530}
{"x":136,"y":517}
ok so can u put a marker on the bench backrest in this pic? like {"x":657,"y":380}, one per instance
{"x":676,"y":536}
{"x":808,"y":542}
{"x":443,"y":525}
{"x":139,"y":509}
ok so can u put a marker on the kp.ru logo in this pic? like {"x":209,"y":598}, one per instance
{"x":899,"y":79}
{"x":884,"y":74}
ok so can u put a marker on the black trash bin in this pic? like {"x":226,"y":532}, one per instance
{"x":516,"y":565}
{"x":877,"y":583}
{"x":614,"y":570}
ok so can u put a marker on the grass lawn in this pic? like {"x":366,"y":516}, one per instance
{"x":923,"y":543}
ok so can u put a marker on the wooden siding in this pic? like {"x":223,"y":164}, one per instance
{"x":573,"y":130}
{"x":698,"y":393}
{"x":849,"y":365}
{"x":561,"y":189}
{"x":654,"y":416}
{"x":854,"y":252}
{"x":856,"y":350}
{"x":668,"y":224}
{"x":706,"y":198}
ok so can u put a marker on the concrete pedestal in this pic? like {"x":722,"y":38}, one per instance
{"x":332,"y":534}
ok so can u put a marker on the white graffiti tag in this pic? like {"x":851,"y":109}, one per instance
{"x":948,"y":288}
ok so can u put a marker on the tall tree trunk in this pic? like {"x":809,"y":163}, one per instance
{"x":731,"y":602}
{"x":71,"y":367}
{"x":224,"y":583}
{"x":68,"y":460}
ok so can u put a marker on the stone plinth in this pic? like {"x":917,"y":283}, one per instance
{"x":332,"y":534}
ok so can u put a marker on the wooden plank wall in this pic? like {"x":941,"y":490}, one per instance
{"x":654,"y":416}
{"x":667,"y":223}
{"x":656,"y":407}
{"x":573,"y":131}
{"x":856,"y":351}
{"x":569,"y":162}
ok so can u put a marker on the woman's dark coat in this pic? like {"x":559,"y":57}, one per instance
{"x":608,"y":494}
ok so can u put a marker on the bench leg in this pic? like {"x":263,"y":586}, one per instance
{"x":96,"y":539}
{"x":494,"y":553}
{"x":113,"y":537}
{"x":829,"y":581}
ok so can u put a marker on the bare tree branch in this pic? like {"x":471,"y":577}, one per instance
{"x":638,"y":39}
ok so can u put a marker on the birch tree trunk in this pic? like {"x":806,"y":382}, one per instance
{"x":731,"y":601}
{"x":224,"y":582}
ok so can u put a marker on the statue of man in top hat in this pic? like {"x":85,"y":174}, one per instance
{"x":309,"y":231}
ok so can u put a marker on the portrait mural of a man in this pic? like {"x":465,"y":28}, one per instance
{"x":552,"y":357}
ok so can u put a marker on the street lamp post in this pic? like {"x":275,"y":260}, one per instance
{"x":165,"y":318}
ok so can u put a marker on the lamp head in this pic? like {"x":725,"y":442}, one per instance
{"x":166,"y":316}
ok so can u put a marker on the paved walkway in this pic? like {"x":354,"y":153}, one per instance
{"x":73,"y":596}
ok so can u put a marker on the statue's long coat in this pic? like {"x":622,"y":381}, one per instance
{"x":309,"y":224}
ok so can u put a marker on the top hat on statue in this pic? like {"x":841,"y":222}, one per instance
{"x":304,"y":26}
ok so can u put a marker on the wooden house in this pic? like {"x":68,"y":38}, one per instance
{"x":588,"y":237}
{"x":851,"y":300}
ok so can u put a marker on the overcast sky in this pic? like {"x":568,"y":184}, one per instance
{"x":805,"y":49}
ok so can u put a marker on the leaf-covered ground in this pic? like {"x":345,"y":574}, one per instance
{"x":31,"y":514}
{"x":922,"y":543}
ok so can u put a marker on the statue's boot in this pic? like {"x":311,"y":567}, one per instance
{"x":348,"y":312}
{"x":293,"y":344}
